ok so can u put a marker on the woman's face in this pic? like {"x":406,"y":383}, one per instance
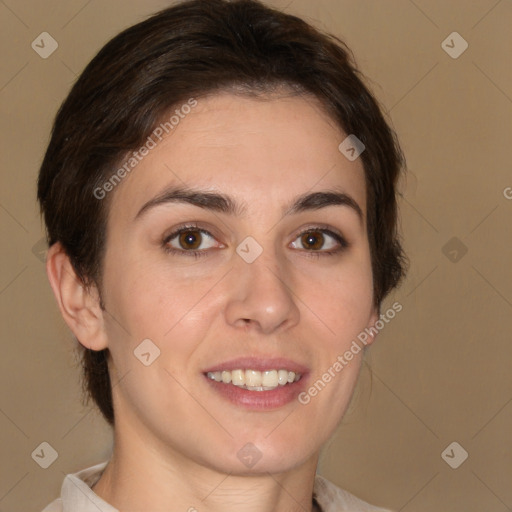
{"x":268,"y":274}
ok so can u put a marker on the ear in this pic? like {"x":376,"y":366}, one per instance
{"x":374,"y":316}
{"x":80,"y":307}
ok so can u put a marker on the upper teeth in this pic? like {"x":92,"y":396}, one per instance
{"x":254,"y":379}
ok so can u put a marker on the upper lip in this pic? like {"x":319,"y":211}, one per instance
{"x":259,"y":364}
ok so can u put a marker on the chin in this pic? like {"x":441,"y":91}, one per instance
{"x":266,"y":454}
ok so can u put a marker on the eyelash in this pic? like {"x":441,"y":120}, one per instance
{"x":200,"y":253}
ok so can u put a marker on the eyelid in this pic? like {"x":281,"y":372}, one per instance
{"x":324,"y":228}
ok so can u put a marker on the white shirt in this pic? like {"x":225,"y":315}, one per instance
{"x":77,"y":495}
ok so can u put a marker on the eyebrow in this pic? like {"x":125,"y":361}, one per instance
{"x":222,"y":203}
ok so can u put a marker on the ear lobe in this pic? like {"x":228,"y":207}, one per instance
{"x":80,"y":307}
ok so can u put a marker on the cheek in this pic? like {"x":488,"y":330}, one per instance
{"x":340,"y":301}
{"x":342,"y":312}
{"x":151,"y":302}
{"x":351,"y":308}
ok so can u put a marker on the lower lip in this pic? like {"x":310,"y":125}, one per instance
{"x":258,"y":400}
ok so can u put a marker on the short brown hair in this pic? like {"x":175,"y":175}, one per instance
{"x":193,"y":49}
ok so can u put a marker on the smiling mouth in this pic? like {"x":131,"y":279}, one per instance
{"x":254,"y":380}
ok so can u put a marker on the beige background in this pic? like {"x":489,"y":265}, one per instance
{"x":441,"y":368}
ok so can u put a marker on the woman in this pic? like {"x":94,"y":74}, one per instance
{"x":219,"y":196}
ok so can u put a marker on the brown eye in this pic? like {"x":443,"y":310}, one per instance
{"x":190,"y":239}
{"x":323,"y":241}
{"x":313,"y":240}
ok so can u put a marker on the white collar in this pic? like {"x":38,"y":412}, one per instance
{"x":77,"y":495}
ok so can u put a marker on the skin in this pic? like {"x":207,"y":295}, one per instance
{"x":176,"y":440}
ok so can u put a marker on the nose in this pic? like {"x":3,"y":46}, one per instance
{"x":261,"y":296}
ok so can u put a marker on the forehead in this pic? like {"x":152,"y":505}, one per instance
{"x":262,"y":151}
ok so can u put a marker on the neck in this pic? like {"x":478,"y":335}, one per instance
{"x":146,"y":477}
